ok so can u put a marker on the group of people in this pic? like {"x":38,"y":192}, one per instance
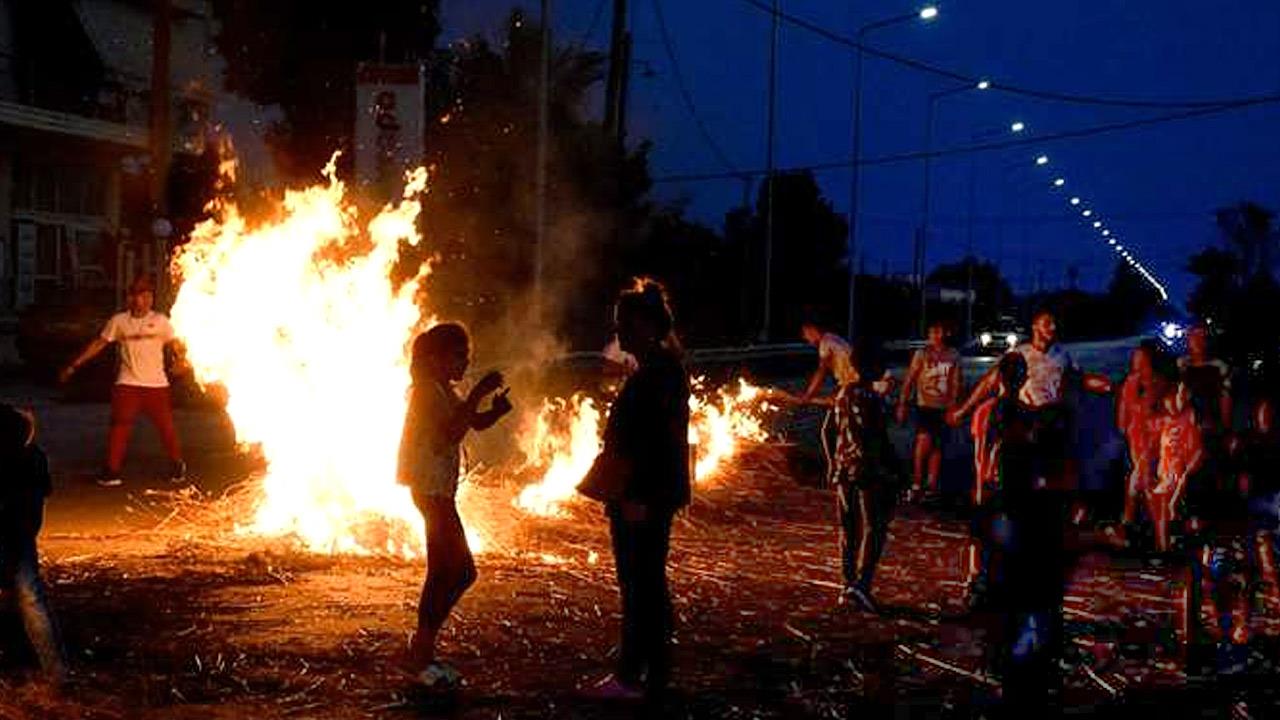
{"x":1190,"y":473}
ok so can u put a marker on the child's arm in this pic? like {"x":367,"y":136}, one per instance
{"x":986,"y":386}
{"x":500,"y":407}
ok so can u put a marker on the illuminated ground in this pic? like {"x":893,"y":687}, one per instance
{"x":158,"y":627}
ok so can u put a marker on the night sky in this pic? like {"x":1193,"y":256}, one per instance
{"x":1155,"y":187}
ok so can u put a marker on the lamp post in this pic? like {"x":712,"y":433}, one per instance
{"x":926,"y":13}
{"x":923,"y":237}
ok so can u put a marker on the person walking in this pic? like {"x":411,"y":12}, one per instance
{"x":934,"y":375}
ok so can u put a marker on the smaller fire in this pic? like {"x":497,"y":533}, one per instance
{"x":564,"y":438}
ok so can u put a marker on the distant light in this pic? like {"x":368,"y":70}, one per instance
{"x":1042,"y":160}
{"x":1011,"y":340}
{"x":1106,"y":233}
{"x":984,"y":84}
{"x":1120,"y":248}
{"x":1097,"y":223}
{"x":1112,"y":241}
{"x":1075,"y":201}
{"x":985,"y":339}
{"x":1018,"y":127}
{"x":928,"y":12}
{"x":1059,"y":182}
{"x":1086,"y":213}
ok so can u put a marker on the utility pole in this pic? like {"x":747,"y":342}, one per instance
{"x":161,"y":143}
{"x":769,"y":176}
{"x":614,"y":92}
{"x":544,"y":114}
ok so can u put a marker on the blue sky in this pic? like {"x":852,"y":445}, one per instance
{"x":1155,"y":187}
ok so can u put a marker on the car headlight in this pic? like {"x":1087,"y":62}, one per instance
{"x":985,"y":338}
{"x":1011,"y":339}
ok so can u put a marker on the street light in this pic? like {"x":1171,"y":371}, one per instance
{"x":1059,"y":182}
{"x":1097,"y":223}
{"x":984,"y":84}
{"x":926,"y":13}
{"x":1106,"y":233}
{"x":1086,"y":213}
{"x":1042,"y":160}
{"x":1075,"y":201}
{"x":1018,"y":127}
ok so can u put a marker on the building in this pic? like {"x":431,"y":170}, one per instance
{"x":79,"y":214}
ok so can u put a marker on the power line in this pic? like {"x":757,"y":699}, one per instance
{"x":685,"y":96}
{"x":922,"y":66}
{"x":1001,"y":145}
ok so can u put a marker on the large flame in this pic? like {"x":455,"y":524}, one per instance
{"x":298,"y":319}
{"x":564,"y":439}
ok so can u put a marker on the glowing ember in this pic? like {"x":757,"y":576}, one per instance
{"x":565,"y":437}
{"x":297,"y":318}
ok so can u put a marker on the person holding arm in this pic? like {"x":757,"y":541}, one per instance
{"x":430,"y":459}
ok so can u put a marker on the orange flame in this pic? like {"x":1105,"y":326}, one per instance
{"x":297,"y":318}
{"x":564,"y":439}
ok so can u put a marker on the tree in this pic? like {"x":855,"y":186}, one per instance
{"x":991,"y":290}
{"x":480,"y":214}
{"x":1237,"y":284}
{"x":302,"y":56}
{"x":809,"y":269}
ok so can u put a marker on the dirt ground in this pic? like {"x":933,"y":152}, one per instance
{"x":164,"y":622}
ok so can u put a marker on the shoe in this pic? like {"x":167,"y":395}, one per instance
{"x":109,"y":479}
{"x":613,"y":689}
{"x":178,"y":472}
{"x":858,"y":599}
{"x":439,"y":675}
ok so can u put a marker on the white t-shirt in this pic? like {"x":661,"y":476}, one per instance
{"x":141,"y":341}
{"x":1045,"y":371}
{"x":835,"y":353}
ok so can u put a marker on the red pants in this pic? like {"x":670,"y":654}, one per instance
{"x":126,"y":402}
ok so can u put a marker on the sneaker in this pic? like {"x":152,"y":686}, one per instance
{"x":613,"y":689}
{"x":178,"y":472}
{"x":858,"y":599}
{"x":439,"y":675}
{"x":109,"y":479}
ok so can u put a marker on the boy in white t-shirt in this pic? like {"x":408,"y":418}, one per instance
{"x":141,"y":384}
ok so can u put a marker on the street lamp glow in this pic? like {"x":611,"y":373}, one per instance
{"x":1042,"y":160}
{"x":1097,"y":223}
{"x":1075,"y":201}
{"x":984,"y":84}
{"x":928,"y":12}
{"x":1059,"y":182}
{"x":1086,"y":213}
{"x":1112,"y":242}
{"x":1018,"y":126}
{"x":1106,"y":233}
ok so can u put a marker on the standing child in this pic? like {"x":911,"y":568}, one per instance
{"x":430,"y":457}
{"x":934,"y":375}
{"x":1180,"y":456}
{"x":23,"y":488}
{"x":1137,"y":412}
{"x":866,"y":476}
{"x":991,"y":423}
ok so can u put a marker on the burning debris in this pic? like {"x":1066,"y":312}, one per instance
{"x":296,"y":317}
